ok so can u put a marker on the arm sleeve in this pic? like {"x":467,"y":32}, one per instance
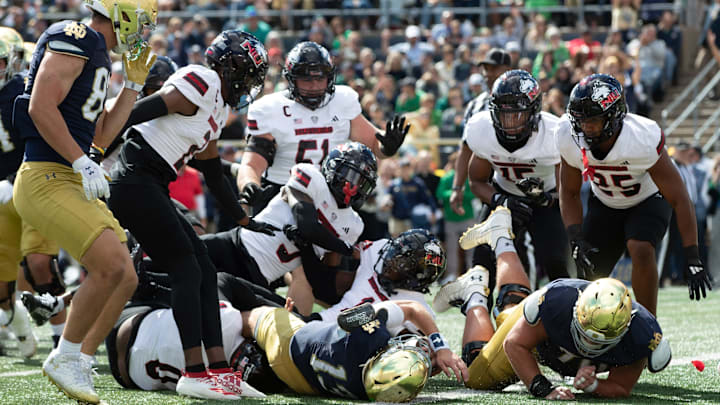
{"x":314,"y":232}
{"x":220,"y":187}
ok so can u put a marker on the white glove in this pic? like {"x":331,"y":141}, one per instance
{"x":93,"y":178}
{"x":6,"y":189}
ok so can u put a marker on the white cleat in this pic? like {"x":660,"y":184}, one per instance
{"x":497,"y":225}
{"x":454,"y":294}
{"x":27,"y":341}
{"x":232,"y":381}
{"x":205,"y":387}
{"x":71,"y":374}
{"x":27,"y":345}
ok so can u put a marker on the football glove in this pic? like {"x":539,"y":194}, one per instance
{"x":262,"y":227}
{"x":532,"y":187}
{"x":395,"y":132}
{"x":695,"y":274}
{"x":581,"y":252}
{"x":94,"y":182}
{"x":293,"y":234}
{"x":520,"y":209}
{"x":6,"y":191}
{"x":136,"y":68}
{"x":252,"y":194}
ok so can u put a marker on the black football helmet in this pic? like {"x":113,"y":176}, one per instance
{"x":600,"y":96}
{"x":252,"y":361}
{"x":160,"y":71}
{"x":309,"y":60}
{"x":515,"y":105}
{"x":412,"y":261}
{"x":241,"y":61}
{"x":350,"y":171}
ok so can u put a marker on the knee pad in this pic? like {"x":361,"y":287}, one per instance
{"x":471,"y":350}
{"x":54,"y":287}
{"x":504,"y":298}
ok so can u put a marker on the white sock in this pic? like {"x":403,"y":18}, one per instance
{"x":57,"y":330}
{"x":90,"y":359}
{"x":68,"y":347}
{"x":21,"y":321}
{"x":504,"y":245}
{"x":474,"y":300}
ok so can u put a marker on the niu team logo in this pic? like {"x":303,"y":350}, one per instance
{"x":604,"y":95}
{"x":256,"y":55}
{"x":530,"y":88}
{"x":433,"y":255}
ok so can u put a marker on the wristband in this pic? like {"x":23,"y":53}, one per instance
{"x":438,"y":342}
{"x":540,"y":386}
{"x":133,"y":86}
{"x":101,"y":150}
{"x":592,"y":387}
{"x":458,"y":188}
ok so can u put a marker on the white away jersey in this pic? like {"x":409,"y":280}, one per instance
{"x":156,"y":356}
{"x":178,"y":137}
{"x":276,"y":255}
{"x":302,"y":135}
{"x":621,"y":180}
{"x":367,"y":288}
{"x":537,"y":158}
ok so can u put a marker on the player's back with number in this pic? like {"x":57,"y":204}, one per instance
{"x":85,"y":100}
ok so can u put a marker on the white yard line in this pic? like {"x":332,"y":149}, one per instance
{"x":20,"y":373}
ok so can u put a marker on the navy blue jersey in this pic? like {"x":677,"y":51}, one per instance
{"x":559,"y":352}
{"x":331,"y":359}
{"x":11,"y":146}
{"x":86,"y":99}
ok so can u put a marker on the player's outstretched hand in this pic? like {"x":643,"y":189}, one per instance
{"x":585,"y":379}
{"x":395,"y":132}
{"x":136,"y":66}
{"x":262,"y":227}
{"x":446,"y":360}
{"x":94,"y":179}
{"x":561,"y":393}
{"x":697,"y":279}
{"x":581,"y":252}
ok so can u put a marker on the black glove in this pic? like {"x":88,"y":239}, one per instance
{"x":581,"y":252}
{"x":519,"y":208}
{"x":262,"y":227}
{"x":695,"y":274}
{"x":293,"y":234}
{"x":251,"y":194}
{"x":533,"y":187}
{"x":96,"y":154}
{"x":394,"y":135}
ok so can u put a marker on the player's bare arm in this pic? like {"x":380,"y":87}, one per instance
{"x":480,"y":171}
{"x":671,"y":186}
{"x":301,"y":292}
{"x":55,"y":78}
{"x":570,"y":182}
{"x":252,"y":165}
{"x":461,"y":174}
{"x":620,"y":381}
{"x":518,"y":346}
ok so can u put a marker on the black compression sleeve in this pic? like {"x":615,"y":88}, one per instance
{"x":320,"y":276}
{"x":312,"y":231}
{"x":220,"y":187}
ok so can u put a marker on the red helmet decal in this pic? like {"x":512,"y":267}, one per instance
{"x":604,"y":95}
{"x":255,"y":55}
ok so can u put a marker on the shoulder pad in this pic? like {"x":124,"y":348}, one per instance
{"x":531,"y":307}
{"x":660,"y":357}
{"x":72,"y":38}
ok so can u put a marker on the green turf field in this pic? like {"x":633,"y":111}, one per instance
{"x":693,"y":329}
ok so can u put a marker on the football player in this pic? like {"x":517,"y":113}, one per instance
{"x":320,"y":204}
{"x":577,"y":328}
{"x":634,"y":188}
{"x":304,"y":123}
{"x":183,"y":121}
{"x":357,"y":356}
{"x":514,"y":140}
{"x":60,"y":113}
{"x":496,"y":62}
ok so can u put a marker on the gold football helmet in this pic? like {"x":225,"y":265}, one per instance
{"x":400,"y":371}
{"x":27,"y":56}
{"x":15,"y":43}
{"x":129,"y":19}
{"x":5,"y":54}
{"x":601,"y":317}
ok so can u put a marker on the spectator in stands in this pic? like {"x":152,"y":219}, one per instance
{"x":557,"y":45}
{"x":457,"y":259}
{"x":196,"y":55}
{"x":158,"y":44}
{"x":423,"y":134}
{"x":414,"y":49}
{"x":585,"y":44}
{"x":409,"y":98}
{"x":188,"y":189}
{"x":452,"y":123}
{"x":507,"y":32}
{"x":464,"y":65}
{"x":615,"y":38}
{"x":395,"y":65}
{"x":625,"y":17}
{"x":513,"y":49}
{"x":412,"y":204}
{"x":446,"y":66}
{"x":671,"y":34}
{"x":536,"y":39}
{"x":254,"y":25}
{"x":554,"y":102}
{"x":653,"y":57}
{"x":440,"y":32}
{"x":563,"y":80}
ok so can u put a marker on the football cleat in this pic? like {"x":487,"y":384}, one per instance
{"x":71,"y":374}
{"x":497,"y":225}
{"x":232,"y":381}
{"x":20,"y":324}
{"x":205,"y":386}
{"x":454,"y":294}
{"x":355,"y":317}
{"x":41,"y":307}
